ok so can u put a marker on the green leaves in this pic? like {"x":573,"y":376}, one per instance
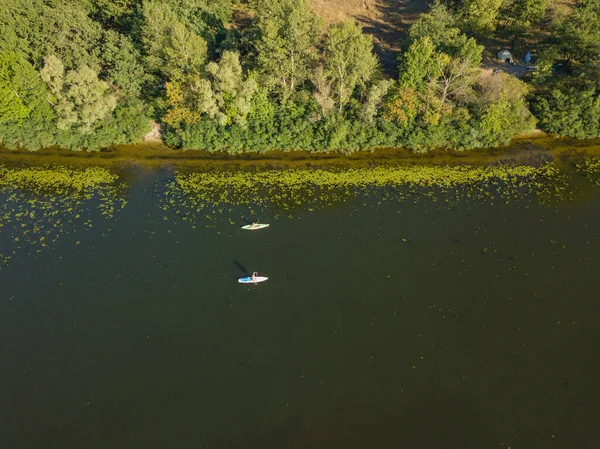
{"x":80,"y":99}
{"x":26,"y":118}
{"x":288,"y":34}
{"x":481,"y":15}
{"x":439,"y":26}
{"x":158,"y":21}
{"x":185,"y":52}
{"x":225,"y":95}
{"x":569,"y":108}
{"x":348,"y":59}
{"x":123,"y":63}
{"x":13,"y":85}
{"x":420,"y":63}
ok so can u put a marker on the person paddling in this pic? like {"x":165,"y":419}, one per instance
{"x":254,"y":276}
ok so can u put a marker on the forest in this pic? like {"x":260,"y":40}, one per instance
{"x":88,"y":74}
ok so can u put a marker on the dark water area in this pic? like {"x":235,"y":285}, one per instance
{"x":388,"y":321}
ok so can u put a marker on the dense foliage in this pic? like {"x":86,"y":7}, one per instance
{"x":86,"y":74}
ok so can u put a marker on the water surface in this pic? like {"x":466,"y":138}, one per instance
{"x":392,"y":318}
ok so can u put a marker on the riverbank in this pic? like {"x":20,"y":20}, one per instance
{"x":532,"y":149}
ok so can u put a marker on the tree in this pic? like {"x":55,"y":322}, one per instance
{"x":322,"y":90}
{"x":401,"y":107}
{"x":12,"y":88}
{"x":437,"y":79}
{"x":578,"y":38}
{"x":158,"y":20}
{"x":502,"y":108}
{"x":225,"y":96}
{"x":373,"y":100}
{"x":440,"y":27}
{"x":17,"y":20}
{"x":287,"y":34}
{"x":123,"y":63}
{"x":79,"y":98}
{"x":481,"y":15}
{"x":173,"y":50}
{"x":180,"y":110}
{"x":438,"y":24}
{"x":26,"y":118}
{"x":419,"y":64}
{"x":570,"y":107}
{"x":232,"y":93}
{"x":456,"y":78}
{"x":349,"y":59}
{"x":525,"y":12}
{"x":185,"y":52}
{"x":115,"y":13}
{"x":68,"y":32}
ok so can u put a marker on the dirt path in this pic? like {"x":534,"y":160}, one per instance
{"x":389,"y":29}
{"x":153,"y":136}
{"x":387,"y":20}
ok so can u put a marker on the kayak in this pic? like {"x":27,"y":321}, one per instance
{"x":249,"y":280}
{"x":254,"y":228}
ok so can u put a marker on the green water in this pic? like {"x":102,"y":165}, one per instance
{"x":391,"y":319}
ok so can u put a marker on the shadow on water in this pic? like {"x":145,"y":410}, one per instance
{"x":242,"y":268}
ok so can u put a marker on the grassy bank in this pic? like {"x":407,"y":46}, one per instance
{"x":534,"y":149}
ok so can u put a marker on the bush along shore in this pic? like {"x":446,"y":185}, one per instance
{"x":88,"y":74}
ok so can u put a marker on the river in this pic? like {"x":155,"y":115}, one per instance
{"x":448,"y":309}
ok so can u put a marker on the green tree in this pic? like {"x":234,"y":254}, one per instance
{"x":79,"y":98}
{"x":185,"y":52}
{"x":419,"y":64}
{"x":348,"y":59}
{"x":231,"y":91}
{"x":13,"y":86}
{"x":570,"y":107}
{"x":502,"y":109}
{"x":578,"y":38}
{"x":17,"y":19}
{"x":525,"y":12}
{"x":438,"y":80}
{"x":374,"y":100}
{"x":158,"y":20}
{"x":116,"y":13}
{"x":26,"y":118}
{"x":68,"y":32}
{"x":122,"y":63}
{"x":225,"y":95}
{"x":287,"y":35}
{"x":481,"y":15}
{"x":439,"y":25}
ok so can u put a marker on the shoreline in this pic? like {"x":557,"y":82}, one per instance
{"x":529,"y":149}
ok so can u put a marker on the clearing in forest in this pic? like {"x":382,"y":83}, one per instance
{"x":386,"y":20}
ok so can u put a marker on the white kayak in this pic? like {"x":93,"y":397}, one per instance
{"x":255,"y":227}
{"x":249,"y":280}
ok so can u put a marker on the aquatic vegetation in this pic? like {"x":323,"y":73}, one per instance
{"x":591,"y":168}
{"x":39,"y":204}
{"x":54,"y":179}
{"x":200,"y":194}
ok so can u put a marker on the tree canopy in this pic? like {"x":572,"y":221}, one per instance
{"x":92,"y":73}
